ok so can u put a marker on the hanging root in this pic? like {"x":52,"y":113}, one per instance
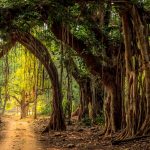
{"x":121,"y":135}
{"x":145,"y":129}
{"x":103,"y":132}
{"x":117,"y":142}
{"x":126,"y":136}
{"x":106,"y":132}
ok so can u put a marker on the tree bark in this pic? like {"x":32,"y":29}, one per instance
{"x":23,"y":105}
{"x":84,"y":99}
{"x":106,"y":74}
{"x":85,"y":90}
{"x":141,"y":31}
{"x":39,"y":50}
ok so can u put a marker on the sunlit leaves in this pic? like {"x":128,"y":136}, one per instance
{"x":11,"y":3}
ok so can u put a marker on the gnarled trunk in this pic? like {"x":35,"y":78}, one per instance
{"x":107,"y":74}
{"x":85,"y":96}
{"x":85,"y":89}
{"x":137,"y":78}
{"x":141,"y":30}
{"x":39,"y":50}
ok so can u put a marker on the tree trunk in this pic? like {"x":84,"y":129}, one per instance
{"x":84,"y":100}
{"x":6,"y":73}
{"x":35,"y":108}
{"x":4,"y":106}
{"x":107,"y":74}
{"x":23,"y":111}
{"x":57,"y":121}
{"x":141,"y":30}
{"x":96,"y":98}
{"x":85,"y":89}
{"x":23,"y":105}
{"x":107,"y":103}
{"x":137,"y":120}
{"x":69,"y":93}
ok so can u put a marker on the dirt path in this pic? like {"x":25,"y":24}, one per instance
{"x":18,"y":136}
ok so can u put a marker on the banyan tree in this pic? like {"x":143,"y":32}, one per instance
{"x":36,"y":47}
{"x":111,"y":38}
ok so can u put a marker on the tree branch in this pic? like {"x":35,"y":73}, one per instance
{"x":6,"y":48}
{"x":15,"y":98}
{"x":93,"y":62}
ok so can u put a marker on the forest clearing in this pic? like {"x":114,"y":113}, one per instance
{"x":75,"y":74}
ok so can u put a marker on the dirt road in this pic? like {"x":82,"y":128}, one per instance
{"x":18,"y":136}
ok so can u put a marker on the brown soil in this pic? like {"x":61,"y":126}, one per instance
{"x":17,"y":135}
{"x":26,"y":135}
{"x":81,"y":137}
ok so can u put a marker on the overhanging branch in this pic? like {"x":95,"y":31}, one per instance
{"x":6,"y":48}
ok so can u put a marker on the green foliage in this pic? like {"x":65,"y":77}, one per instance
{"x":142,"y":3}
{"x":114,"y":26}
{"x":86,"y":121}
{"x":99,"y":120}
{"x":25,"y":21}
{"x":64,"y":103}
{"x":44,"y":109}
{"x":115,"y":35}
{"x":147,"y":4}
{"x":75,"y":10}
{"x":81,"y":32}
{"x":23,"y":68}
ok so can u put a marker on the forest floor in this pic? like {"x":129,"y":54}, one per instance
{"x":81,"y":137}
{"x":16,"y":134}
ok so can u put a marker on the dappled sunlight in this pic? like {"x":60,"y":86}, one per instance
{"x":24,"y":83}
